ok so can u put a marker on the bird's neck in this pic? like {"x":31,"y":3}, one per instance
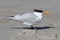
{"x":38,"y":14}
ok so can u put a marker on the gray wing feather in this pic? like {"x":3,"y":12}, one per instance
{"x":29,"y":18}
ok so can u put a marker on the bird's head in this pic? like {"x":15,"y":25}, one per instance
{"x":40,"y":11}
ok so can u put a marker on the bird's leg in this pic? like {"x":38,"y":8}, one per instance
{"x":32,"y":27}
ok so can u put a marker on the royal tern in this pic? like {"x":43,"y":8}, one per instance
{"x":30,"y":18}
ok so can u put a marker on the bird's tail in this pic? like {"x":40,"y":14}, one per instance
{"x":6,"y":18}
{"x":10,"y":17}
{"x":17,"y":17}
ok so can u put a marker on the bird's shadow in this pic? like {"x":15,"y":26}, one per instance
{"x":37,"y":28}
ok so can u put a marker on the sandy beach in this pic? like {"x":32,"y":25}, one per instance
{"x":11,"y":30}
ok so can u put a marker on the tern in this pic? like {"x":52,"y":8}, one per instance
{"x":29,"y":18}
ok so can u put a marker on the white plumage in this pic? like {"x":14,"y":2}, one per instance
{"x":28,"y":18}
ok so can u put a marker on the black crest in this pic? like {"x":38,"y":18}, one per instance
{"x":35,"y":10}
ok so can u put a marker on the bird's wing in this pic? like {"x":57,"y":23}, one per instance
{"x":29,"y":18}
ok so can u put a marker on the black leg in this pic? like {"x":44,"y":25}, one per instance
{"x":32,"y":27}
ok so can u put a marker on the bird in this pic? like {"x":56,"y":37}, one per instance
{"x":29,"y":18}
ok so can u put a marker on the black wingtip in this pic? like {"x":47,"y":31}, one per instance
{"x":10,"y":16}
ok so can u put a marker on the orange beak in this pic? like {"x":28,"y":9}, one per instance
{"x":45,"y":13}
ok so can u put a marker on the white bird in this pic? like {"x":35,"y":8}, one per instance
{"x":29,"y":18}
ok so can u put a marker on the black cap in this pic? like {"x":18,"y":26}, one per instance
{"x":35,"y":10}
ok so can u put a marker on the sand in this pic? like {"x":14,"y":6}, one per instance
{"x":10,"y":29}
